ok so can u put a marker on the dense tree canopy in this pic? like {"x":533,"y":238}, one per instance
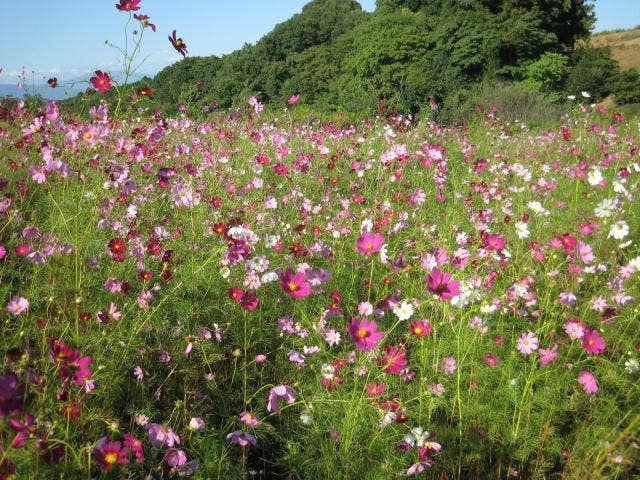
{"x":339,"y":57}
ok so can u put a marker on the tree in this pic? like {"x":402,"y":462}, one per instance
{"x":626,"y":88}
{"x":593,"y":70}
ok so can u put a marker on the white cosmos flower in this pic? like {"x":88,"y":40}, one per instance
{"x":538,"y":208}
{"x":522,"y":230}
{"x":619,"y":230}
{"x":635,"y":263}
{"x":594,"y":177}
{"x":605,"y":208}
{"x":618,"y":186}
{"x":383,"y":254}
{"x":403,"y":311}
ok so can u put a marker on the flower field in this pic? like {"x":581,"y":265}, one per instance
{"x":259,"y":296}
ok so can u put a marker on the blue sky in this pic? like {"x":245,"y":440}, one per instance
{"x":66,"y":38}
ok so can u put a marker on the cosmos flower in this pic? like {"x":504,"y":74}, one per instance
{"x":369,"y":243}
{"x":241,"y":438}
{"x":108,"y":453}
{"x":548,"y":355}
{"x":144,"y":20}
{"x":592,"y":342}
{"x":364,"y":333}
{"x":619,"y":230}
{"x":178,"y":44}
{"x":420,"y":328}
{"x":17,"y":305}
{"x":101,"y":81}
{"x":128,"y":5}
{"x":527,"y":343}
{"x":440,"y":283}
{"x":295,"y":284}
{"x":281,"y":392}
{"x":588,"y":381}
{"x":495,"y":242}
{"x":394,"y":359}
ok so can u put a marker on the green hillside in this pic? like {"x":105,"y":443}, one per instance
{"x":407,"y":54}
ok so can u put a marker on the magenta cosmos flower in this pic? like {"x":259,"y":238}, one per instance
{"x":440,"y":283}
{"x":295,"y":284}
{"x":128,"y":5}
{"x":495,"y":242}
{"x":101,"y":82}
{"x":369,"y":243}
{"x":364,"y":333}
{"x":592,"y":342}
{"x":281,"y":392}
{"x":588,"y":381}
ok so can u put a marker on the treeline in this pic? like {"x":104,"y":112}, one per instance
{"x":411,"y":54}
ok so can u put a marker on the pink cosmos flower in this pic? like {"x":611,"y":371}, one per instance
{"x":449,"y":365}
{"x":175,"y":457}
{"x":592,"y":342}
{"x":17,"y":305}
{"x":364,"y":333}
{"x":369,"y":243}
{"x":281,"y":392}
{"x":420,"y":328}
{"x":495,"y":242}
{"x":293,"y":99}
{"x":490,"y":360}
{"x":242,"y":438}
{"x":249,"y":418}
{"x":588,"y":381}
{"x":161,"y":435}
{"x":585,"y":252}
{"x":441,"y":284}
{"x":575,"y":328}
{"x":295,"y":284}
{"x":394,"y":359}
{"x":527,"y":343}
{"x":375,"y":389}
{"x":548,"y":355}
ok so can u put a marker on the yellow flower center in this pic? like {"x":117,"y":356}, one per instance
{"x":111,"y":458}
{"x":363,"y":332}
{"x":292,"y":287}
{"x":418,"y":330}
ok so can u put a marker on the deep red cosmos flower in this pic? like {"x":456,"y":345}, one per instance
{"x":102,"y":81}
{"x":53,"y":82}
{"x":128,"y":5}
{"x":145,"y":92}
{"x":178,"y":44}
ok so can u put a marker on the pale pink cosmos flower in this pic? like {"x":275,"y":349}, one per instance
{"x":548,"y":355}
{"x":281,"y":392}
{"x":17,"y":305}
{"x":527,"y":343}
